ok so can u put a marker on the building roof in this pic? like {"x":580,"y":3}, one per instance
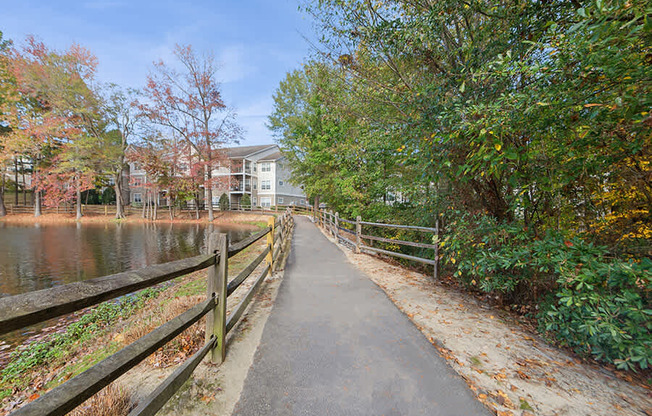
{"x":272,"y":157}
{"x":244,"y":151}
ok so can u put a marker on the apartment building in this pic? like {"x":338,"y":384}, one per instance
{"x":274,"y":187}
{"x":257,"y":171}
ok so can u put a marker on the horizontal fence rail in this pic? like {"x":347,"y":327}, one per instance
{"x":31,"y":308}
{"x":27,"y":309}
{"x":339,"y":228}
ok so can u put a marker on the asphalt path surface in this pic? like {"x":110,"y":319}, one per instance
{"x":334,"y":344}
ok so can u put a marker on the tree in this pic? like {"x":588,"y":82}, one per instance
{"x":59,"y":106}
{"x":189,"y":104}
{"x":7,"y":89}
{"x":224,"y":202}
{"x":122,"y":118}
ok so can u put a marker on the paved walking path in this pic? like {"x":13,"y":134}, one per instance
{"x":334,"y":344}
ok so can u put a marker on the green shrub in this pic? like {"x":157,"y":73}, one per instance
{"x":603,"y":309}
{"x":224,"y":202}
{"x":509,"y":259}
{"x":245,"y":202}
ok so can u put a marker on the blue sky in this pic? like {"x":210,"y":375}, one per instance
{"x":255,"y":42}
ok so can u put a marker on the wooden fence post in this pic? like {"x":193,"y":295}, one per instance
{"x":337,"y":227}
{"x":270,"y":244}
{"x":217,"y":280}
{"x":358,"y":232}
{"x":436,"y":266}
{"x":330,"y":222}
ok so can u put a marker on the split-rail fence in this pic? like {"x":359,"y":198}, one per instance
{"x":340,"y":228}
{"x":27,"y":309}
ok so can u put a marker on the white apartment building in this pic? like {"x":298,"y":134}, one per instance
{"x":257,"y":171}
{"x":274,"y":187}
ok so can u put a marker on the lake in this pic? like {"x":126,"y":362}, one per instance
{"x":34,"y":257}
{"x":39,"y":256}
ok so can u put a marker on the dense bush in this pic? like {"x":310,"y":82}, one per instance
{"x":599,"y":307}
{"x":245,"y":202}
{"x":509,"y":259}
{"x":603,"y":309}
{"x":224,"y":202}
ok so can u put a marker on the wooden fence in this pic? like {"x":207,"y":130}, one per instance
{"x":351,"y":231}
{"x":110,"y":210}
{"x":31,"y":308}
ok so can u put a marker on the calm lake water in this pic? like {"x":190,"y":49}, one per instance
{"x":34,"y":257}
{"x":39,"y":256}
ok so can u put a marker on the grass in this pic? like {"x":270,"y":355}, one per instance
{"x":524,"y":405}
{"x":56,"y":347}
{"x":113,"y":400}
{"x":84,"y":364}
{"x":475,"y":361}
{"x":106,"y":328}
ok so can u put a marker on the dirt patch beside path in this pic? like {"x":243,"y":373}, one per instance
{"x":214,"y":389}
{"x":510,"y":369}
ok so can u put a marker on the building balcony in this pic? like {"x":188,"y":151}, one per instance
{"x":240,"y":188}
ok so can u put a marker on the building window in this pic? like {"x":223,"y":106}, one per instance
{"x":266,"y":202}
{"x":253,"y":201}
{"x":255,"y":185}
{"x":280,"y":200}
{"x":138,"y":198}
{"x":265,"y":167}
{"x":280,"y":183}
{"x":265,"y":185}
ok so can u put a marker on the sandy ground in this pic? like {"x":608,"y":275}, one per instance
{"x":510,"y":369}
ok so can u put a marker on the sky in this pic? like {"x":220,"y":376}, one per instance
{"x":255,"y":42}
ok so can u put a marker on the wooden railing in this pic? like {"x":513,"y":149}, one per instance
{"x":339,"y":228}
{"x":30,"y":308}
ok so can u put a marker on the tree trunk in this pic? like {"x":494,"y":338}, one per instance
{"x":315,"y":208}
{"x":197,"y":205}
{"x":3,"y":210}
{"x":148,"y":213}
{"x":155,"y":207}
{"x":171,"y":206}
{"x":22,"y":171}
{"x":119,"y":203}
{"x":209,"y":192}
{"x":79,"y":210}
{"x":143,"y":200}
{"x":16,"y":180}
{"x":37,"y":203}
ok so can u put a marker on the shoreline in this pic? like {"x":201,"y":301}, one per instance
{"x":229,"y":217}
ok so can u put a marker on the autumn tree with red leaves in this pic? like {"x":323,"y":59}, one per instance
{"x":189,"y":104}
{"x":59,"y":84}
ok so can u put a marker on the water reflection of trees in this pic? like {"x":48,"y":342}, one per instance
{"x":38,"y":257}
